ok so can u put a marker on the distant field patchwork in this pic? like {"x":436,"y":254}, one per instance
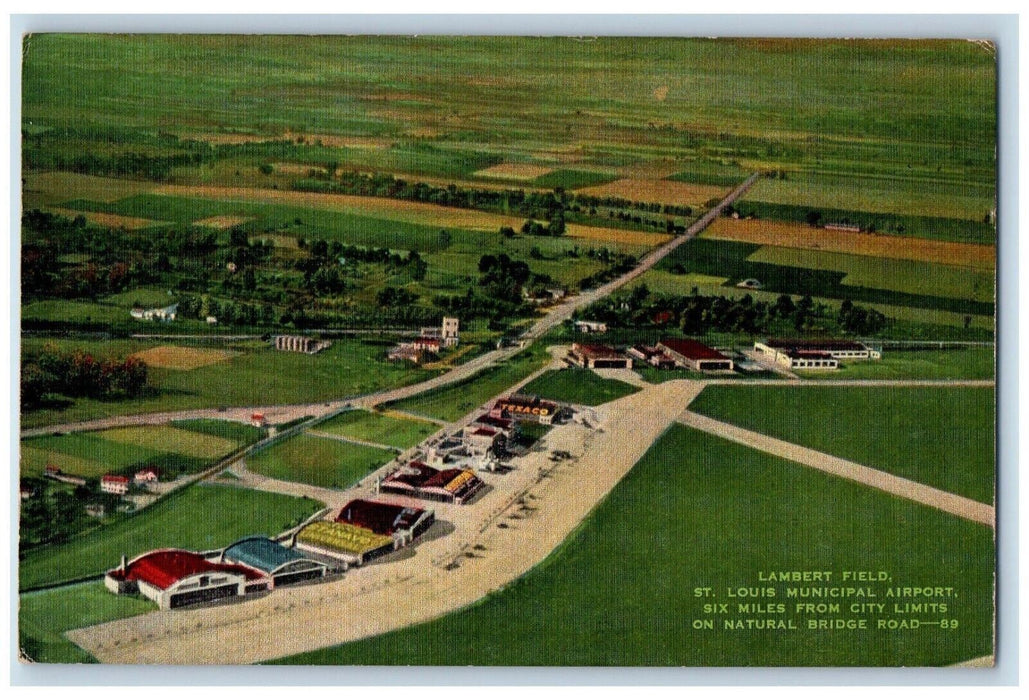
{"x":660,"y":191}
{"x":911,"y":276}
{"x":319,"y":461}
{"x":790,"y":235}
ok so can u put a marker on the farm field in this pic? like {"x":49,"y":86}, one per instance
{"x":711,"y":256}
{"x":913,"y":277}
{"x":659,"y":191}
{"x":578,"y":386}
{"x":44,"y":617}
{"x":940,"y":436}
{"x":73,"y":311}
{"x":90,"y":454}
{"x":238,"y":433}
{"x":929,"y":323}
{"x":170,"y":439}
{"x":379,"y":428}
{"x":129,"y":223}
{"x":257,"y":376}
{"x":456,"y":400}
{"x":926,"y":196}
{"x":514,"y":171}
{"x":182,"y":358}
{"x":694,"y":486}
{"x":198,"y":517}
{"x":318,"y":461}
{"x":792,"y":235}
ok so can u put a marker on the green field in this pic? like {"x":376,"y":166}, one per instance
{"x":107,"y":455}
{"x":940,"y":436}
{"x":926,"y":196}
{"x":74,"y":311}
{"x":170,"y":439}
{"x":93,"y":454}
{"x":376,"y":427}
{"x":240,"y":433}
{"x":257,"y":376}
{"x":606,"y":97}
{"x":910,"y":276}
{"x":318,"y":461}
{"x":44,"y":617}
{"x":198,"y":517}
{"x":456,"y":400}
{"x":739,"y":261}
{"x":710,"y":513}
{"x":579,"y":386}
{"x":968,"y":363}
{"x":572,"y":179}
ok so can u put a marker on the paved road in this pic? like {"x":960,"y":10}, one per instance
{"x":884,"y":481}
{"x":283,"y":413}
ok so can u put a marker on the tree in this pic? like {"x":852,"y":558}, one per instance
{"x":266,"y":168}
{"x":443,"y":239}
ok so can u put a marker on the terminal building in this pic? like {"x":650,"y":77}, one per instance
{"x":814,"y":354}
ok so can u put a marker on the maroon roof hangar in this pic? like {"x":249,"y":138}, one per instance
{"x":695,"y":355}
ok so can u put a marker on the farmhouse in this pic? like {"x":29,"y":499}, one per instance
{"x":598,"y":357}
{"x":300,"y":343}
{"x":591,"y":327}
{"x":518,"y":407}
{"x":111,"y":483}
{"x":694,"y":355}
{"x":401,"y":523}
{"x":173,"y":578}
{"x":166,"y":314}
{"x":406,"y":352}
{"x":814,"y":354}
{"x":149,"y":475}
{"x":343,"y":541}
{"x":281,"y":565}
{"x":652,"y":355}
{"x":258,"y":420}
{"x":422,"y":481}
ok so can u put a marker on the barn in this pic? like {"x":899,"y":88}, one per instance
{"x":343,"y":541}
{"x":401,"y":523}
{"x":283,"y":566}
{"x":695,"y":355}
{"x":174,"y":578}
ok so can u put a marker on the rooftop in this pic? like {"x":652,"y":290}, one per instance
{"x":380,"y":518}
{"x":692,"y":349}
{"x":817,"y":344}
{"x":165,"y":567}
{"x":261,"y":553}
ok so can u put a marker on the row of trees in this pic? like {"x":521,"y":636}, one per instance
{"x":80,"y":374}
{"x":697,"y":314}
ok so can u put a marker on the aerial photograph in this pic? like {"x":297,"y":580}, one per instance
{"x":501,"y":351}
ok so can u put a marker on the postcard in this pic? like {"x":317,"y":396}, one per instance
{"x":507,"y":351}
